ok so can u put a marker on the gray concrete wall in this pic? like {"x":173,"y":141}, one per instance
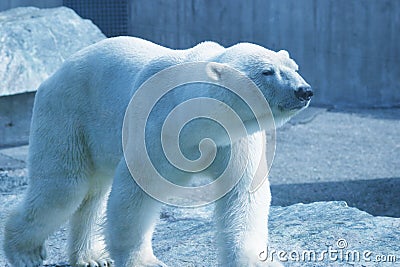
{"x":349,"y":50}
{"x":15,"y":119}
{"x":7,"y":4}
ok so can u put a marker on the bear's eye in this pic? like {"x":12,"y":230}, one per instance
{"x":268,"y":72}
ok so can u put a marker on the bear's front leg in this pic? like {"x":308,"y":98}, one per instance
{"x":131,"y":218}
{"x":242,"y":221}
{"x":242,"y":215}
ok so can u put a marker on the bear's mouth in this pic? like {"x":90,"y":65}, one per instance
{"x":302,"y":105}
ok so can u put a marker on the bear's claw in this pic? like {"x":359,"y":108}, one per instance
{"x":96,"y":263}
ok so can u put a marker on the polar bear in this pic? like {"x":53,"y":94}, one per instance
{"x":75,"y":152}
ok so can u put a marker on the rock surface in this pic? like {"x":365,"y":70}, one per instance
{"x":184,"y":237}
{"x":301,"y":173}
{"x":34,"y":42}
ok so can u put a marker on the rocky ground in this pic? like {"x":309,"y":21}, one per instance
{"x":323,"y":157}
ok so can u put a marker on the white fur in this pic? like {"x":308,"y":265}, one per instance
{"x":75,"y":150}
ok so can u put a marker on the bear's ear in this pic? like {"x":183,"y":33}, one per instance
{"x":214,"y":70}
{"x":284,"y":53}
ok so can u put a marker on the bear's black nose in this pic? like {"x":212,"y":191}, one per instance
{"x":304,"y":93}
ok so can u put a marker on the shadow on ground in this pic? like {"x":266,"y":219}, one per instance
{"x":378,"y":197}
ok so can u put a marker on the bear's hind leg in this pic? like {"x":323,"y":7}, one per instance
{"x":131,"y":218}
{"x":46,"y":206}
{"x":86,"y":245}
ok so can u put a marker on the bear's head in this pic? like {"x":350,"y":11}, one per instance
{"x":275,"y":73}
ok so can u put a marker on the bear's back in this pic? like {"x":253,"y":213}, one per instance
{"x":93,"y":87}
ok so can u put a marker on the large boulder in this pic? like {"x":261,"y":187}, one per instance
{"x":34,"y":42}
